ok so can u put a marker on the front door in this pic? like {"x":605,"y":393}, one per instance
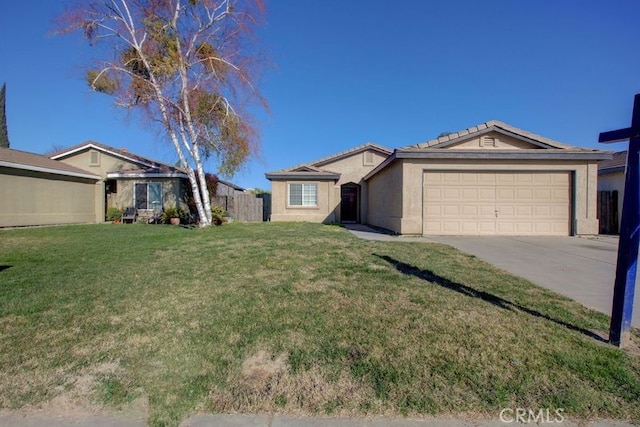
{"x":349,"y":204}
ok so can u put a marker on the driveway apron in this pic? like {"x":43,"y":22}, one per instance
{"x":582,"y":269}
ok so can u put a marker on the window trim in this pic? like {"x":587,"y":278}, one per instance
{"x":147,"y":184}
{"x":302,"y":205}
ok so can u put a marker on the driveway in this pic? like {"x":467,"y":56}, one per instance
{"x":582,"y":269}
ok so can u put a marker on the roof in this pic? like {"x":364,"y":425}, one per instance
{"x":617,"y":163}
{"x":314,"y":166}
{"x":122,"y":153}
{"x":490,"y":126}
{"x":232,"y":185}
{"x":551,"y":150}
{"x":36,"y":162}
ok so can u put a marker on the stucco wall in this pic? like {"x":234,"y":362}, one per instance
{"x":106,"y":163}
{"x":502,"y":142}
{"x":351,"y":168}
{"x":585,"y":191}
{"x":173,"y":192}
{"x":611,"y":182}
{"x":34,"y":198}
{"x":324,"y":212}
{"x":386,"y":198}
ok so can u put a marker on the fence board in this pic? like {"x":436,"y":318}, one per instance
{"x":242,"y":207}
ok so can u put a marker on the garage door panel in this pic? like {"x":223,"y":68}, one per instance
{"x":515,"y":203}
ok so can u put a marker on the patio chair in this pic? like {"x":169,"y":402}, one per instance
{"x":156,"y":218}
{"x":129,"y":215}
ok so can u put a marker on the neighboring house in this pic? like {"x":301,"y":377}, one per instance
{"x":491,"y":179}
{"x":127,"y":179}
{"x":611,"y":178}
{"x":36,"y":190}
{"x":226,"y":188}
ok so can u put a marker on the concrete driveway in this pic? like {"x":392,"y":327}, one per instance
{"x":582,"y":269}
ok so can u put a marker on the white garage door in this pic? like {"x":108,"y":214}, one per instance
{"x":493,"y":202}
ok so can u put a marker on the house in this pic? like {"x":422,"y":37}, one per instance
{"x":36,"y":190}
{"x":611,"y":176}
{"x":490,"y":179}
{"x":127,"y":179}
{"x":331,"y":189}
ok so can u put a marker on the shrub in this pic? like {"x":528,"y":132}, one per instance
{"x":219,"y":215}
{"x":174,"y":212}
{"x":114,"y":214}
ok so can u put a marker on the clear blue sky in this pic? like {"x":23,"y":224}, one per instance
{"x":346,"y":72}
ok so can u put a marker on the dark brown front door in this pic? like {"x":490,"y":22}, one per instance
{"x":349,"y":204}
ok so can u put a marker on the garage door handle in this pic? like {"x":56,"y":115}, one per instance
{"x":496,"y":211}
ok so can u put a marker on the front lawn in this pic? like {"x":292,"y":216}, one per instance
{"x":291,"y":318}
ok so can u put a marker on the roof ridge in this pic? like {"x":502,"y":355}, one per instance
{"x":117,"y":151}
{"x":487,"y":125}
{"x":312,"y":164}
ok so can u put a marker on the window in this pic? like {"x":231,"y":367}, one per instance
{"x":148,"y":195}
{"x":303,"y":194}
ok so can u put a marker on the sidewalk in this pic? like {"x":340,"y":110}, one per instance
{"x":285,"y":421}
{"x":255,"y":420}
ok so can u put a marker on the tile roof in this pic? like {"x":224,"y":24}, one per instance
{"x":118,"y":152}
{"x":490,"y":125}
{"x":314,"y":165}
{"x":37,"y":162}
{"x":618,"y":162}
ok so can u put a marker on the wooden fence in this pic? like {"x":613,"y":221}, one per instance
{"x":266,"y":206}
{"x":608,"y":212}
{"x":242,"y":207}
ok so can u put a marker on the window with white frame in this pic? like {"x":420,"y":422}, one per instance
{"x":148,"y":195}
{"x":302,"y":194}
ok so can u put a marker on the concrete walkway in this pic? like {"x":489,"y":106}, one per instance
{"x":582,"y":269}
{"x":258,"y":420}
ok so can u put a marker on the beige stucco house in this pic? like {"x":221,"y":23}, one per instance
{"x":36,"y":190}
{"x":491,"y":179}
{"x":127,"y":179}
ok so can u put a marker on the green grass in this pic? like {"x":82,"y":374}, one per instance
{"x":291,"y":318}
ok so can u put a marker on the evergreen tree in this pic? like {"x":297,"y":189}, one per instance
{"x":4,"y":133}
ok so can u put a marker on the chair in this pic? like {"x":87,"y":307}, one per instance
{"x":129,"y":215}
{"x":157,"y":216}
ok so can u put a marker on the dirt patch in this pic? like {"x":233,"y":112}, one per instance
{"x":260,"y":369}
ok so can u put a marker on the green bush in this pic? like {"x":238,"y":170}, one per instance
{"x":174,"y":212}
{"x":218,"y":215}
{"x":114,"y":214}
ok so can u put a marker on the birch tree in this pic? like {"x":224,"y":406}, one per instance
{"x":188,"y":65}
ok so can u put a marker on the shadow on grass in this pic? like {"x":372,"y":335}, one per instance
{"x":4,"y":267}
{"x":430,"y":276}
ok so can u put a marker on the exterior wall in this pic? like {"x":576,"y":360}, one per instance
{"x":105,"y":164}
{"x":611,"y":182}
{"x":584,"y":193}
{"x":325,"y":211}
{"x":352,"y":169}
{"x":385,"y":204}
{"x":173,"y":192}
{"x":34,"y":198}
{"x":503,"y":142}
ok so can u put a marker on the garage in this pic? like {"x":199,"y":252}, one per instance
{"x":497,"y":202}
